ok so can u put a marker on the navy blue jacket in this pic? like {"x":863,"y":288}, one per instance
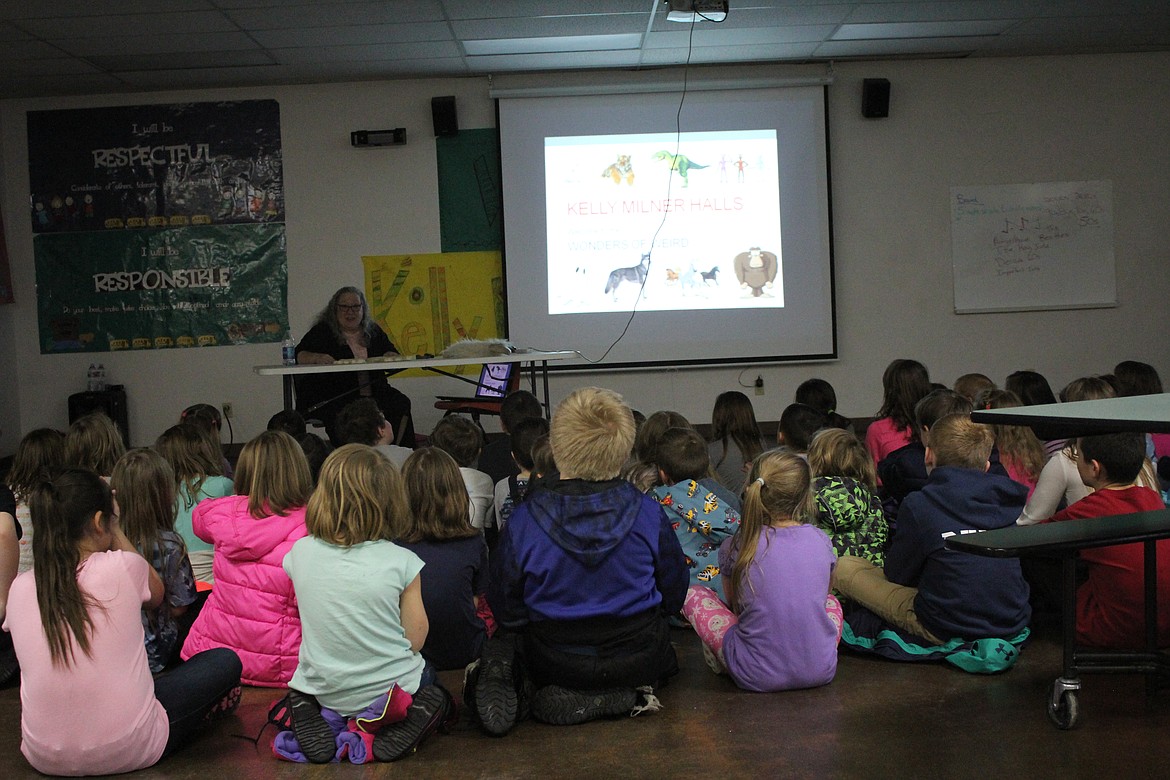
{"x":579,"y":550}
{"x":960,"y":595}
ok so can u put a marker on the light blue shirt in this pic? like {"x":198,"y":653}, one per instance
{"x":353,"y":646}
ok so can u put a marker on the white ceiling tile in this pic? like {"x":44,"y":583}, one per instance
{"x":157,"y":44}
{"x":905,"y":30}
{"x":348,"y":14}
{"x":898,"y":48}
{"x":477,"y":48}
{"x":548,"y":27}
{"x":367,"y":53}
{"x":763,"y":35}
{"x":345,"y":36}
{"x":125,"y":24}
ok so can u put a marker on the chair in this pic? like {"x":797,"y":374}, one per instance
{"x":477,"y":406}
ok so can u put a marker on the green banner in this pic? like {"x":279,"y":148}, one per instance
{"x":202,"y":286}
{"x":470,"y":209}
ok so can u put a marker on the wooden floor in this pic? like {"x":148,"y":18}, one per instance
{"x":877,"y":719}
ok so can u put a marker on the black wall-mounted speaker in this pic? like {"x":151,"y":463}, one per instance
{"x":875,"y":98}
{"x":443,"y":115}
{"x":111,"y":401}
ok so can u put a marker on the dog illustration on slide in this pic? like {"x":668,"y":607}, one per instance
{"x":680,"y":163}
{"x":635,"y":273}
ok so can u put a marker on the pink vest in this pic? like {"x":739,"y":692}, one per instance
{"x":252,"y":608}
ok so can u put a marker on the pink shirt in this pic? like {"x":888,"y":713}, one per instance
{"x":882,"y":437}
{"x":98,"y":715}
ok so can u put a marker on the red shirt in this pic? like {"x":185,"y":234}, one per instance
{"x":1111,"y":603}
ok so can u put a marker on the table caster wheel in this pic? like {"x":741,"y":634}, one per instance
{"x":1063,"y":707}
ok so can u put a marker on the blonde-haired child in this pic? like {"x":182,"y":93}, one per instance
{"x":847,"y":509}
{"x":40,"y":453}
{"x":93,"y":442}
{"x":359,"y":643}
{"x":198,"y":475}
{"x":252,"y":609}
{"x":783,"y":625}
{"x":455,"y":553}
{"x":76,"y":623}
{"x":144,"y":485}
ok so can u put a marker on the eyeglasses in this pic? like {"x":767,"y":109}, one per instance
{"x":352,"y":308}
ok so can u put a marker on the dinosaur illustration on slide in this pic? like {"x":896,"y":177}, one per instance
{"x":680,"y":163}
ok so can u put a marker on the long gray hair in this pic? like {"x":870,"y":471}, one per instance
{"x":328,"y":315}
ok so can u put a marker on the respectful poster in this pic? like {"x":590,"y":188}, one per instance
{"x":427,"y":302}
{"x":166,"y":220}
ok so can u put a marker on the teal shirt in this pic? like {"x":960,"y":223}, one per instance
{"x":353,"y":646}
{"x":212,"y":487}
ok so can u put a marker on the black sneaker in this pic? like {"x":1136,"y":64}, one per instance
{"x":431,"y":709}
{"x":313,"y":734}
{"x":494,"y":699}
{"x":566,"y":707}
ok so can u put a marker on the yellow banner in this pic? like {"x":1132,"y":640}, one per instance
{"x":428,"y":302}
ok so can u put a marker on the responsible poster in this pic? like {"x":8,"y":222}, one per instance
{"x":158,"y":226}
{"x":200,"y":286}
{"x":427,"y":302}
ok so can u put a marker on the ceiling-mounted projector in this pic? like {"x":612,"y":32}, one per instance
{"x":696,"y":10}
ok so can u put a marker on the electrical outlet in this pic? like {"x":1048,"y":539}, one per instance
{"x":226,"y":406}
{"x":759,"y":385}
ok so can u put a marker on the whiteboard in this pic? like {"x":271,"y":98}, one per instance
{"x":1019,"y":247}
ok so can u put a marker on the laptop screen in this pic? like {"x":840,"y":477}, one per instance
{"x":493,"y":380}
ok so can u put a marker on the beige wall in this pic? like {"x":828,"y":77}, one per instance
{"x":952,"y":122}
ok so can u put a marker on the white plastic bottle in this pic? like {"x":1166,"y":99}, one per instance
{"x":91,"y":378}
{"x":100,"y":378}
{"x":288,"y":349}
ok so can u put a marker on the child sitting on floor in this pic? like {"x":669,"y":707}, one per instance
{"x":198,"y":475}
{"x":88,"y":703}
{"x":846,"y":507}
{"x":144,"y":485}
{"x":783,"y":626}
{"x":903,"y":471}
{"x":455,"y":574}
{"x":362,"y":422}
{"x":702,"y":512}
{"x":462,"y":439}
{"x":584,"y":579}
{"x":40,"y":453}
{"x":360,"y":645}
{"x":1111,"y":602}
{"x":252,"y":609}
{"x":926,"y":591}
{"x":798,"y":423}
{"x":904,"y":383}
{"x":511,"y":490}
{"x":93,"y":442}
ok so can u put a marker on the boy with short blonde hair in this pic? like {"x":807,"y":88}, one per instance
{"x":585,"y":576}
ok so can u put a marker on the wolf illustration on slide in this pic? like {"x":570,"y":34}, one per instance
{"x":680,"y":163}
{"x":635,"y":273}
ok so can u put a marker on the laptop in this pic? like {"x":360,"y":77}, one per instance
{"x":494,"y":379}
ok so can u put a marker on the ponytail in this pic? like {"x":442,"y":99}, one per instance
{"x":778,"y":488}
{"x":61,"y":509}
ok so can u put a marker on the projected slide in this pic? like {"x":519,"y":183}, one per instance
{"x":695,"y":217}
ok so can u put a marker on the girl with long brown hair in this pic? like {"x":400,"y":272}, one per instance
{"x":455,"y":554}
{"x":198,"y":467}
{"x":144,"y":484}
{"x":75,"y":621}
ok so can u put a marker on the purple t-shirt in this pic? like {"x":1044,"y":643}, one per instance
{"x":784,"y":638}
